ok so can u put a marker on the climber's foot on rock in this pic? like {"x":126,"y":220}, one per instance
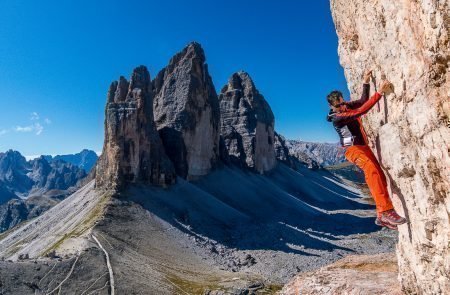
{"x":391,"y":217}
{"x":384,"y":224}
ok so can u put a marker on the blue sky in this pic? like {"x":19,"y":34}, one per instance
{"x":57,"y":59}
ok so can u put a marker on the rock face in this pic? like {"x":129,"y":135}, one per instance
{"x":247,"y":124}
{"x":408,"y":42}
{"x":355,"y":274}
{"x":132,"y":151}
{"x":187,"y":113}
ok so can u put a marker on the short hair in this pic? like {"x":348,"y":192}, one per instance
{"x":334,"y":97}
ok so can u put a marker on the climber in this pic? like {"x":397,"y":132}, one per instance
{"x":346,"y":118}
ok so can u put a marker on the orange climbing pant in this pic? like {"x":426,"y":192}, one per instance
{"x":362,"y":156}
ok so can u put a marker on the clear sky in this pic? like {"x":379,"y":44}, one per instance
{"x":57,"y":59}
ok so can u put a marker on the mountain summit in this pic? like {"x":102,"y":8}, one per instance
{"x":187,"y":113}
{"x":247,"y":124}
{"x":132,"y":150}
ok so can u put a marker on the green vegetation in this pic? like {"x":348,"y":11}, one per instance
{"x":185,"y":286}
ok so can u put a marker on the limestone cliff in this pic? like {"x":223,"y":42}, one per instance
{"x":408,"y":43}
{"x":247,"y":124}
{"x":132,"y":151}
{"x":187,"y":113}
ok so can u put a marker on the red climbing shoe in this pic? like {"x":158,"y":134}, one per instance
{"x":391,"y":217}
{"x":388,"y":225}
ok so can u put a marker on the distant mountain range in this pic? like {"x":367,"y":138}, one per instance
{"x":28,"y":188}
{"x":85,"y":159}
{"x":324,"y":154}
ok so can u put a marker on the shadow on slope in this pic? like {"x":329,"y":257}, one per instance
{"x":285,"y":211}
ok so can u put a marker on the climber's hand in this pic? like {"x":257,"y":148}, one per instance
{"x":385,"y":86}
{"x":367,"y":76}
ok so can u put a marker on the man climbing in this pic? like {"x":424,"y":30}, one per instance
{"x":346,"y":118}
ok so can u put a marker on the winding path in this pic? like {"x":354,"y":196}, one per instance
{"x":108,"y":263}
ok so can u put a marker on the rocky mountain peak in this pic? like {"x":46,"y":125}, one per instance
{"x":132,"y":150}
{"x":192,"y":51}
{"x":11,"y":160}
{"x":140,"y":81}
{"x":40,"y":170}
{"x":240,"y":86}
{"x":247,"y":124}
{"x":187,"y":113}
{"x":13,"y":170}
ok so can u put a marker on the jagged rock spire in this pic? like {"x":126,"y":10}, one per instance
{"x":247,"y":124}
{"x":187,"y":113}
{"x":132,"y":151}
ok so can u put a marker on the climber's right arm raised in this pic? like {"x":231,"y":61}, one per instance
{"x":343,"y":118}
{"x":365,"y":93}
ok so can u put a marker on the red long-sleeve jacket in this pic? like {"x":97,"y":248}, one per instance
{"x":346,"y":121}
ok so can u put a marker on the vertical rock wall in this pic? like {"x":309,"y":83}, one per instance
{"x":132,"y":150}
{"x":187,"y":113}
{"x":407,"y":42}
{"x":247,"y":124}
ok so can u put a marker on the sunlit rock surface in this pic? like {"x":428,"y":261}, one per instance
{"x":132,"y":150}
{"x":408,"y":43}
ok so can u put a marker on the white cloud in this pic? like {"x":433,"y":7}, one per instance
{"x":36,"y":127}
{"x":24,"y":129}
{"x":39,"y":128}
{"x":34,"y":116}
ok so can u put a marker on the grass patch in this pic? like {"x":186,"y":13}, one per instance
{"x":184,"y":286}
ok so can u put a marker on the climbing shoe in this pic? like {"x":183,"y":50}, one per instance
{"x":391,"y":217}
{"x":388,"y":225}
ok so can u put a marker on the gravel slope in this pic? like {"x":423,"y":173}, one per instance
{"x":232,"y":230}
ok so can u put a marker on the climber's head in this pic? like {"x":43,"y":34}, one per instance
{"x":335,"y":98}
